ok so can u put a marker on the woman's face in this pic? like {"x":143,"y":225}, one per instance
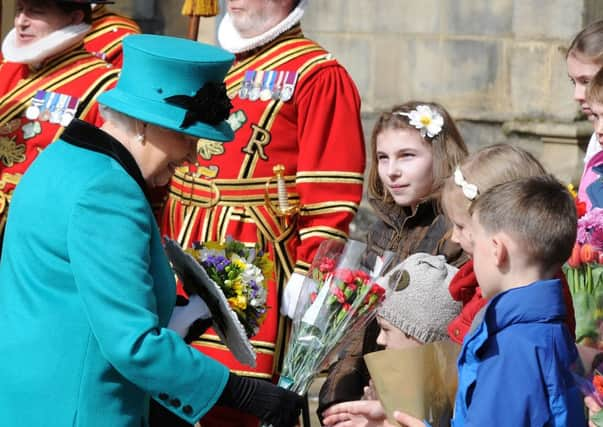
{"x":164,"y":150}
{"x":254,"y":17}
{"x":34,"y":21}
{"x":458,"y":215}
{"x":391,"y":337}
{"x":405,"y":165}
{"x":581,"y":71}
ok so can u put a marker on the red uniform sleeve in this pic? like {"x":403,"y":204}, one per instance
{"x":331,"y":158}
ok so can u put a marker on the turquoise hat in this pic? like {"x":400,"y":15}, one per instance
{"x":174,"y":83}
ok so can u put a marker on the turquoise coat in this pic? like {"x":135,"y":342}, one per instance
{"x":86,"y":293}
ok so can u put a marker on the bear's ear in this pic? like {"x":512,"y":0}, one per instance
{"x":399,"y":280}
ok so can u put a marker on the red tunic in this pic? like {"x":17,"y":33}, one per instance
{"x":107,"y":32}
{"x":75,"y":73}
{"x":316,"y":136}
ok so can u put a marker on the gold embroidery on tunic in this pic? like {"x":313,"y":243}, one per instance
{"x":11,"y":152}
{"x":260,"y":138}
{"x":207,"y":149}
{"x":5,"y":197}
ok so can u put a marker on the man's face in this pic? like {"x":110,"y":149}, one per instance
{"x":35,"y":20}
{"x":254,"y":17}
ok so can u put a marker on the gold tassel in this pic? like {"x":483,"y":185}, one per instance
{"x":204,"y":8}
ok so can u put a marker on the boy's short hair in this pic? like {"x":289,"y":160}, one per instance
{"x":594,"y":89}
{"x":538,"y":211}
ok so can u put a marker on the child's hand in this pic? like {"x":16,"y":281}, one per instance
{"x":369,"y":392}
{"x":359,"y":413}
{"x":594,"y":411}
{"x":408,"y":420}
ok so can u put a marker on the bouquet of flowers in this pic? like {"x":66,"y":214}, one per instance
{"x":338,"y":297}
{"x":231,"y":279}
{"x":241,"y":274}
{"x":584,"y":272}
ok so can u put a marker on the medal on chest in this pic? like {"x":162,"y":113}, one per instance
{"x":52,"y":107}
{"x":266,"y":85}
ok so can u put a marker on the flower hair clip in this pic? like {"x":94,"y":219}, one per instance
{"x":469,"y":190}
{"x":427,"y":121}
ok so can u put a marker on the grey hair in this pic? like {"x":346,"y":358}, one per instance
{"x":121,"y":120}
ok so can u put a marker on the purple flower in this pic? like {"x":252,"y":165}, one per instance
{"x":218,"y":262}
{"x":590,"y":228}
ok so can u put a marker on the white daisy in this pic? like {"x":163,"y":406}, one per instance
{"x":428,"y":122}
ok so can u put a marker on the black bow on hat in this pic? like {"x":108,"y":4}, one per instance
{"x":210,"y":105}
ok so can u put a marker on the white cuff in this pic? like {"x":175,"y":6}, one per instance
{"x":291,"y":294}
{"x":184,"y":316}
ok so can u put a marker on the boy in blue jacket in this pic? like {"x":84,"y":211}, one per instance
{"x":514,"y":366}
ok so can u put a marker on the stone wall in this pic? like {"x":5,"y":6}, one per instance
{"x":498,"y":66}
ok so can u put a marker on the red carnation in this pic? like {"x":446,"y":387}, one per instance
{"x":345,"y":275}
{"x":362,"y":275}
{"x":598,"y":383}
{"x":326,"y":265}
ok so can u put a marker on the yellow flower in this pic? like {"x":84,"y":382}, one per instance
{"x":572,"y":190}
{"x":238,"y":302}
{"x":266,"y":265}
{"x":193,"y":252}
{"x":237,"y":286}
{"x":217,"y":246}
{"x":239,"y":263}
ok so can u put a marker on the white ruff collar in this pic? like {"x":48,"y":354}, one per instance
{"x":36,"y":52}
{"x":230,"y":39}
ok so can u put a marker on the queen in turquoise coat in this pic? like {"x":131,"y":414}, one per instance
{"x":86,"y":290}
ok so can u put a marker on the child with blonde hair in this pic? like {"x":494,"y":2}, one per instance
{"x":480,"y":171}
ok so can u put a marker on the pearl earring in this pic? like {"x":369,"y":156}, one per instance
{"x":139,"y":137}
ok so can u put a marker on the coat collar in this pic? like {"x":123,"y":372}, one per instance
{"x":89,"y":137}
{"x":538,"y":302}
{"x":230,"y":39}
{"x":395,"y":215}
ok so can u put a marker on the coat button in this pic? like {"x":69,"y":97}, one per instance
{"x":163,"y":396}
{"x":456,"y":332}
{"x":175,"y":403}
{"x":187,"y":409}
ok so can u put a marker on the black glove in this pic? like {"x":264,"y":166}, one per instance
{"x":272,"y":404}
{"x":197,"y":328}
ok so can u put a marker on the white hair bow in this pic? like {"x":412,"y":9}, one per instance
{"x":469,"y":190}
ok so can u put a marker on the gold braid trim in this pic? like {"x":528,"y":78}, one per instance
{"x":329,"y":207}
{"x":330,"y":176}
{"x":11,"y":179}
{"x":322,"y":232}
